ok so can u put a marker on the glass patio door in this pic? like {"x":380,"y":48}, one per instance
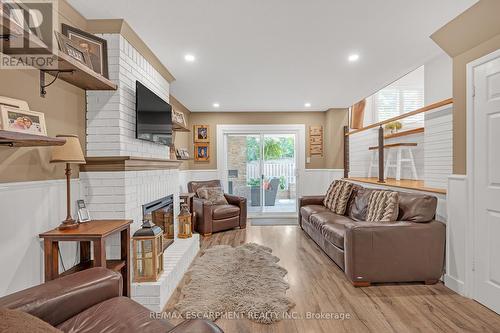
{"x":262,"y":168}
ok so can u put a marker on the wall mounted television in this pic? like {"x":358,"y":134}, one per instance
{"x":153,"y":116}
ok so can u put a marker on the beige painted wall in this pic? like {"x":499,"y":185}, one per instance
{"x":335,"y":120}
{"x":473,"y":34}
{"x":329,"y":160}
{"x":64,"y":109}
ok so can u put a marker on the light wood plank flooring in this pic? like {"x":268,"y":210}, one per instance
{"x":318,"y":285}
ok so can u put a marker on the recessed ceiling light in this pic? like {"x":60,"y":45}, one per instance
{"x":216,"y":105}
{"x":307,"y":105}
{"x":189,"y":58}
{"x":353,"y":57}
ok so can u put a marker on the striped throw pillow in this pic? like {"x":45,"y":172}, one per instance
{"x":337,"y":196}
{"x":383,"y":206}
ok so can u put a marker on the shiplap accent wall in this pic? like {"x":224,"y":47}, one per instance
{"x":28,"y":209}
{"x":438,"y":140}
{"x":111,"y":114}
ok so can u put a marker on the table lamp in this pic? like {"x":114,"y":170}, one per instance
{"x":70,"y":152}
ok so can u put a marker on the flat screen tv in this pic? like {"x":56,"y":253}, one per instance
{"x":153,"y":116}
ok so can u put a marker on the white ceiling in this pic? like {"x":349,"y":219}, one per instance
{"x":276,"y":55}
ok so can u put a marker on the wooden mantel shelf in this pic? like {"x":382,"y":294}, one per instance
{"x":14,"y":139}
{"x":127,"y":163}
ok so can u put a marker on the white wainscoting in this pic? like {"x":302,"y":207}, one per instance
{"x":316,"y":181}
{"x":456,"y":232}
{"x":28,"y":209}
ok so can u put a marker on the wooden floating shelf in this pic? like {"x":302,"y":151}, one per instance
{"x":395,"y":145}
{"x":417,"y":185}
{"x":74,"y":72}
{"x":176,"y":127}
{"x":114,"y":265}
{"x":404,"y":133}
{"x":15,"y":139}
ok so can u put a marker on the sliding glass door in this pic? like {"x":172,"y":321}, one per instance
{"x":262,"y":168}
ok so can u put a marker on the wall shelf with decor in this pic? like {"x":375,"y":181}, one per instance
{"x":176,"y":127}
{"x":67,"y":69}
{"x":14,"y":139}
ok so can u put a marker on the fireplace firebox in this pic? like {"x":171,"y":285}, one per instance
{"x":161,"y":213}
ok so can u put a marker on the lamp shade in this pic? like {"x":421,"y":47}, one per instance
{"x":70,"y":152}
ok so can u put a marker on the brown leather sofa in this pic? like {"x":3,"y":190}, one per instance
{"x":90,"y":301}
{"x":213,"y":218}
{"x":409,"y":250}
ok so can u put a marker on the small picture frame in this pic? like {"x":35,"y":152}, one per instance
{"x":178,"y":117}
{"x":201,"y":133}
{"x":22,"y":121}
{"x":83,"y":212}
{"x":202,"y":152}
{"x":96,"y":47}
{"x":72,"y":49}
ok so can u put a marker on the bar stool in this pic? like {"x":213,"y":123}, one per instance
{"x":395,"y":149}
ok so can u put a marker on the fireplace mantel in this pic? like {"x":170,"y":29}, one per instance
{"x":127,"y":163}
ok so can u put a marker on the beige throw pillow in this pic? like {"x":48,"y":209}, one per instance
{"x":337,"y":196}
{"x":213,"y":194}
{"x":383,"y":206}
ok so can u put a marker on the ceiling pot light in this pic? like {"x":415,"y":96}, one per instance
{"x":353,"y":57}
{"x":216,"y":105}
{"x":307,"y":105}
{"x":189,"y":58}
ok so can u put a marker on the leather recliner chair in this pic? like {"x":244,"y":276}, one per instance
{"x":214,"y":218}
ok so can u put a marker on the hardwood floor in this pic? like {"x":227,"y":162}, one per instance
{"x":318,"y":285}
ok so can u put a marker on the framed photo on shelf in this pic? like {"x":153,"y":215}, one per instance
{"x":202,"y":152}
{"x":201,"y":133}
{"x":83,"y":212}
{"x":182,"y":154}
{"x":22,"y":121}
{"x":95,"y":46}
{"x":178,"y":117}
{"x":72,"y":49}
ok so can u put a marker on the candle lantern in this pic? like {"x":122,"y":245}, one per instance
{"x":165,"y":219}
{"x":147,"y":245}
{"x":184,"y":219}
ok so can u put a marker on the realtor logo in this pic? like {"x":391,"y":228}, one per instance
{"x":27,"y":34}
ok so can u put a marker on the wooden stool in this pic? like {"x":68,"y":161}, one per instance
{"x":397,"y":148}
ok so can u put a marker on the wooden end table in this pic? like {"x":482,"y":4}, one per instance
{"x":96,"y":232}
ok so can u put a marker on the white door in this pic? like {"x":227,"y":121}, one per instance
{"x":487,"y":184}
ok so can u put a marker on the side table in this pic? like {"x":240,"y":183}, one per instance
{"x":96,"y":232}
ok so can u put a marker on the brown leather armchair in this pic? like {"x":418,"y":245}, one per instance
{"x":214,"y":218}
{"x":90,"y":301}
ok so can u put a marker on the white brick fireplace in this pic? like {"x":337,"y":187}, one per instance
{"x":120,"y":191}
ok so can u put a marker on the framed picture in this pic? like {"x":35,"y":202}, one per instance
{"x":202,"y":152}
{"x":22,"y":121}
{"x":73,"y":50}
{"x":178,"y":117}
{"x":95,"y":46}
{"x":83,"y":212}
{"x":201,"y":133}
{"x":182,"y":154}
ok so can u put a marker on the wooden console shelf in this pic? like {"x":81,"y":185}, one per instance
{"x":74,"y":72}
{"x":14,"y":139}
{"x":404,"y":133}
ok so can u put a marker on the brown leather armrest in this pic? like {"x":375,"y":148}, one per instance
{"x":60,"y":299}
{"x":196,"y":326}
{"x":394,"y":252}
{"x":203,"y":210}
{"x":311,"y":200}
{"x":242,"y":203}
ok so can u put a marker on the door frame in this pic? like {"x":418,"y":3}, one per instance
{"x":298,"y":129}
{"x":471,"y":227}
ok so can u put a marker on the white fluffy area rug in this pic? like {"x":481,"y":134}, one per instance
{"x":231,"y":282}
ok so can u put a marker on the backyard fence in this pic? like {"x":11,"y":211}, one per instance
{"x":273,"y":169}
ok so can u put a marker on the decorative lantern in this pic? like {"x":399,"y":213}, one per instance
{"x":165,"y":219}
{"x":148,"y":252}
{"x":184,"y":222}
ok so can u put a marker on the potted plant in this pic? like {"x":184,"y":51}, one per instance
{"x":394,"y":126}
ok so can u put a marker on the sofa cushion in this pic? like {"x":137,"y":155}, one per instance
{"x":383,"y":206}
{"x":331,"y":226}
{"x":418,"y":208}
{"x":220,"y":212}
{"x":307,"y":211}
{"x":337,"y":196}
{"x":115,"y":315}
{"x":19,"y":321}
{"x":213,"y":194}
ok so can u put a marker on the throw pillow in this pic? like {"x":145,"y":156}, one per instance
{"x":15,"y":321}
{"x":383,"y":206}
{"x":337,"y":196}
{"x":213,"y":194}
